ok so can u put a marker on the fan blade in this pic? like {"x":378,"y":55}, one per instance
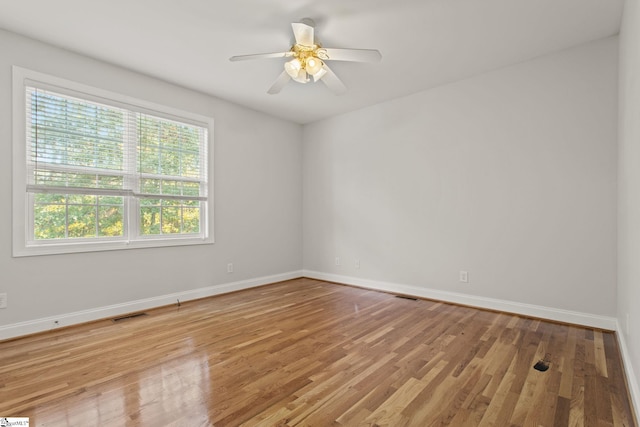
{"x":277,"y":86}
{"x":332,"y":81}
{"x":303,"y":33}
{"x":261,"y":56}
{"x":354,"y":55}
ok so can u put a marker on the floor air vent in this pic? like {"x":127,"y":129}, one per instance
{"x":406,"y":297}
{"x":543,"y":364}
{"x":128,"y":316}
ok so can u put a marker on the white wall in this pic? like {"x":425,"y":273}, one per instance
{"x":510,"y":176}
{"x":629,"y":193}
{"x":258,"y":199}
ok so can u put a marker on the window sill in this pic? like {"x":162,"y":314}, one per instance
{"x":81,"y":247}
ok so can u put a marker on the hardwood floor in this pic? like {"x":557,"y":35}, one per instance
{"x":311,"y":353}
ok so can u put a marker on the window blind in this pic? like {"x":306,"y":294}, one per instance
{"x":171,"y":163}
{"x":76,"y":146}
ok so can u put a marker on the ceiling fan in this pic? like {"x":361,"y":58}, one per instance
{"x":308,"y":59}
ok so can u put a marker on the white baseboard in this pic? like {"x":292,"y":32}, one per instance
{"x":634,"y":387}
{"x":556,"y":314}
{"x":106,"y":312}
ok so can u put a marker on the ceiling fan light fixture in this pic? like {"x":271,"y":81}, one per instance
{"x":301,"y":77}
{"x":293,"y":68}
{"x":307,"y":59}
{"x":313,"y":65}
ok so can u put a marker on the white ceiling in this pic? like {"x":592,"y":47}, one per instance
{"x":424,"y":43}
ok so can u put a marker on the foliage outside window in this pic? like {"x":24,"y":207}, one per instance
{"x":101,"y":172}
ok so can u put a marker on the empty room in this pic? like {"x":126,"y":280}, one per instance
{"x":336,"y":213}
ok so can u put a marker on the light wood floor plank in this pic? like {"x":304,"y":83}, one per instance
{"x":311,"y":353}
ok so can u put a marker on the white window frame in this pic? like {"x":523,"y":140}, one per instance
{"x":24,"y":244}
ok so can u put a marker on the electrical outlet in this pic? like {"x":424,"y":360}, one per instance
{"x":337,"y":260}
{"x":464,"y":276}
{"x":3,"y":300}
{"x":357,"y":263}
{"x":230,"y":267}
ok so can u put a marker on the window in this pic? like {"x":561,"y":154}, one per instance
{"x":95,"y":170}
